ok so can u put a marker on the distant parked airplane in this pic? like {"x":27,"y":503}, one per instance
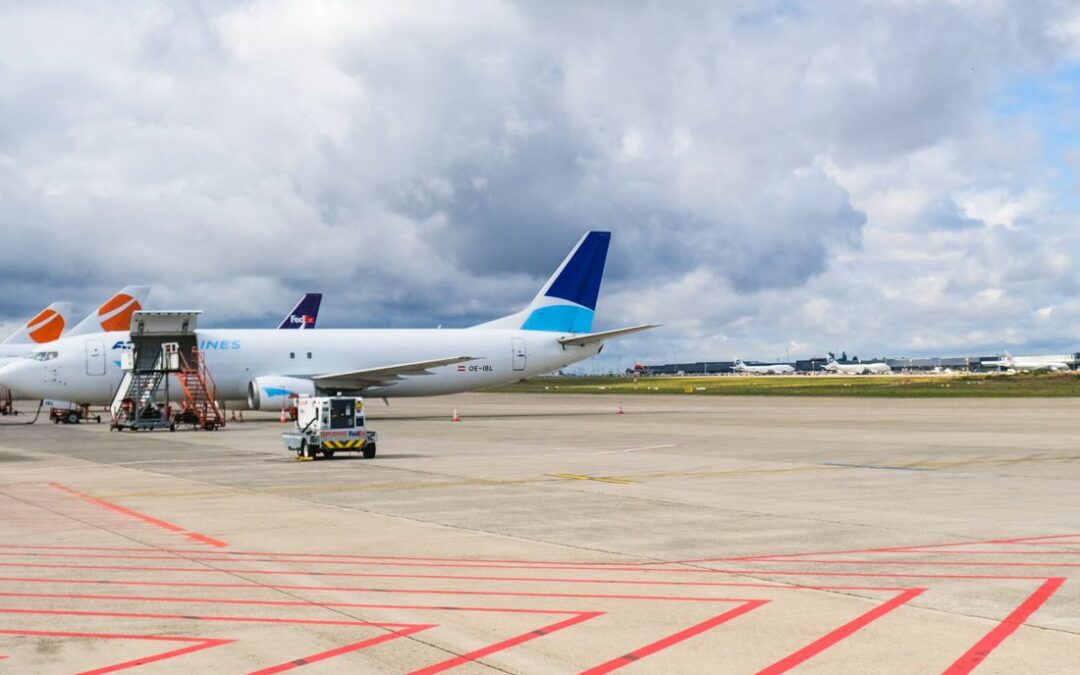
{"x":774,"y":369}
{"x":1029,"y":363}
{"x":876,"y":368}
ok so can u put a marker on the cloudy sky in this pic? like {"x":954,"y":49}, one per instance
{"x":781,"y":178}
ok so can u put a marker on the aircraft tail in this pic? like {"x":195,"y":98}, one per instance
{"x":115,"y":313}
{"x":567,"y":302}
{"x":46,"y":326}
{"x":305,"y":314}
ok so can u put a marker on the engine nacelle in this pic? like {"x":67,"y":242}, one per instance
{"x":273,"y":391}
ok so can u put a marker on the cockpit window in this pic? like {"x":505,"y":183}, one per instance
{"x":42,"y":356}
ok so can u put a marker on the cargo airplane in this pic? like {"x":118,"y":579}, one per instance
{"x":263,"y":368}
{"x":772,"y":369}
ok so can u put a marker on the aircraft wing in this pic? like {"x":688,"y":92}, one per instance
{"x":589,"y":338}
{"x":384,"y":375}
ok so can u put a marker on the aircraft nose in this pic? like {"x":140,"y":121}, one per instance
{"x":13,"y":376}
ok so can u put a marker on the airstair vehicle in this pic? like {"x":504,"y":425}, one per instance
{"x":164,"y":344}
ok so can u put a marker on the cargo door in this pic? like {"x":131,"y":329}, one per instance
{"x":517,"y":347}
{"x":95,"y":357}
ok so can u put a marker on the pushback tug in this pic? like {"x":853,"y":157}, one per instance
{"x":329,"y":424}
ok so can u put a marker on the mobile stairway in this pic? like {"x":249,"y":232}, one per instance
{"x":135,"y":404}
{"x":199,"y":408}
{"x":164,"y":344}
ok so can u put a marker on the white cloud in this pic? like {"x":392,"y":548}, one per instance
{"x":780,"y":177}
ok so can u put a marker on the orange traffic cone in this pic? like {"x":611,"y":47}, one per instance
{"x":455,"y":417}
{"x":283,"y":419}
{"x":620,"y":412}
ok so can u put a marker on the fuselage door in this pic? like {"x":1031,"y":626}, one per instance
{"x":517,"y":348}
{"x":95,"y":357}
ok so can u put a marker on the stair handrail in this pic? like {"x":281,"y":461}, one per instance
{"x":202,"y":376}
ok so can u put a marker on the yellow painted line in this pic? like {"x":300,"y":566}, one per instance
{"x":950,"y":463}
{"x":621,"y":481}
{"x":635,"y":477}
{"x":599,"y":479}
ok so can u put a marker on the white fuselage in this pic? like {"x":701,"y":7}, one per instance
{"x":1022,"y":364}
{"x":775,"y":369}
{"x":87,"y":367}
{"x":9,"y":353}
{"x":858,"y":368}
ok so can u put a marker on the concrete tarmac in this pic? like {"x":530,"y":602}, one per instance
{"x":549,"y":534}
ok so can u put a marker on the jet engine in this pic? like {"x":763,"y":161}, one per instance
{"x":272,"y":392}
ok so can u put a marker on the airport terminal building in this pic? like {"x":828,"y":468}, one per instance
{"x":817,"y":364}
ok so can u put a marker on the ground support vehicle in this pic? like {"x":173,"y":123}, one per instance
{"x":68,"y":412}
{"x":326,"y":425}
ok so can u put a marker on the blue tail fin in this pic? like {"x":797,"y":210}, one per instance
{"x":578,"y":279}
{"x":305,"y":314}
{"x":567,"y":301}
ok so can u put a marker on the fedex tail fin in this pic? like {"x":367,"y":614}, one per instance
{"x":115,"y":313}
{"x":46,"y":326}
{"x":305,"y":314}
{"x":567,"y":302}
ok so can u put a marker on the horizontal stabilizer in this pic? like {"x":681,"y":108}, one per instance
{"x":589,"y":338}
{"x":383,"y":375}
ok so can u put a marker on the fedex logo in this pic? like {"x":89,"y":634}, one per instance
{"x":304,"y":321}
{"x":122,"y":345}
